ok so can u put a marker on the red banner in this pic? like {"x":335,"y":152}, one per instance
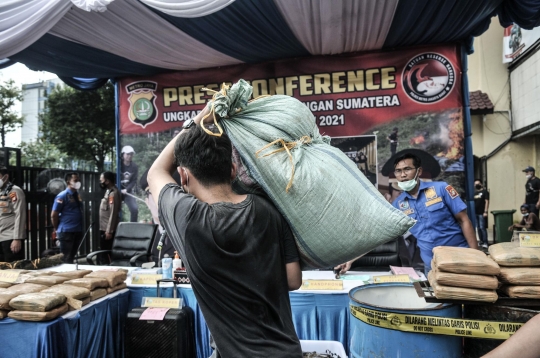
{"x":349,"y":95}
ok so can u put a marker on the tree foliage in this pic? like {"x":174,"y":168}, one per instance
{"x":81,"y":123}
{"x":9,"y":119}
{"x":41,"y":154}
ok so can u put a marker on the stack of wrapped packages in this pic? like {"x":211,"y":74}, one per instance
{"x":463,"y":274}
{"x":520,"y":269}
{"x":45,"y":295}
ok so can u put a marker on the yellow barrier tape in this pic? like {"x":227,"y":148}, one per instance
{"x":436,"y":325}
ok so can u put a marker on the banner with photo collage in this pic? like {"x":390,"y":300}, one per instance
{"x":373,"y":105}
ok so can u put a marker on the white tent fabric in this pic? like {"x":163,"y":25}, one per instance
{"x":188,"y":8}
{"x":22,"y":22}
{"x":139,"y":35}
{"x":327,"y":27}
{"x":92,"y":5}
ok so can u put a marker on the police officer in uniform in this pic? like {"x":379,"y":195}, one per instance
{"x":108,"y":210}
{"x":12,"y":219}
{"x":67,"y":217}
{"x":440,"y":213}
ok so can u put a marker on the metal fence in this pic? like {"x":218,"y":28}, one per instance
{"x":39,"y":200}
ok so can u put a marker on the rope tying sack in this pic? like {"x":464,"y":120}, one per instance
{"x":286,"y":146}
{"x":228,"y":104}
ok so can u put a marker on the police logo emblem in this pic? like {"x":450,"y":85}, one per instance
{"x":142,"y":102}
{"x":431,"y":193}
{"x":404,"y":205}
{"x":452,"y":192}
{"x":428,"y":78}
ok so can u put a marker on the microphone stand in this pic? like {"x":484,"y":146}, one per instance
{"x":79,"y":248}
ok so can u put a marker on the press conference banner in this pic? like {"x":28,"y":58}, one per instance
{"x":372,"y":105}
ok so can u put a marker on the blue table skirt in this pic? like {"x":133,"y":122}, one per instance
{"x":315,"y":316}
{"x":96,"y":331}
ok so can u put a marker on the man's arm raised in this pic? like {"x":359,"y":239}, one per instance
{"x":160,"y":173}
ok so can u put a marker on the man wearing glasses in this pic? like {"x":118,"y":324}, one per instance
{"x":440,"y":213}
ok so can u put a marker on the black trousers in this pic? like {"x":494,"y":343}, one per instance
{"x":5,"y":252}
{"x":69,"y":243}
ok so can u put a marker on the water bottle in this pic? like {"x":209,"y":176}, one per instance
{"x":166,"y":264}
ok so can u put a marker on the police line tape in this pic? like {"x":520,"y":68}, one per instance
{"x":436,"y":325}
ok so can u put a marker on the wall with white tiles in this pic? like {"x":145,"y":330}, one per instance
{"x":525,"y":92}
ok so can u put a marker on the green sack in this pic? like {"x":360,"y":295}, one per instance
{"x":335,"y":213}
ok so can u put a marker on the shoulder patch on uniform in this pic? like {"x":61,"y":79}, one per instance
{"x":59,"y":201}
{"x":13,"y":196}
{"x":451,"y":191}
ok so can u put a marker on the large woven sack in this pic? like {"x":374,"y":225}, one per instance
{"x":69,"y":291}
{"x":16,"y":290}
{"x":466,"y":280}
{"x":335,"y":212}
{"x":463,"y":260}
{"x":521,"y":276}
{"x":460,"y":293}
{"x":113,"y":277}
{"x":90,"y":283}
{"x":37,"y":302}
{"x":522,"y":291}
{"x":39,"y":316}
{"x":511,"y":254}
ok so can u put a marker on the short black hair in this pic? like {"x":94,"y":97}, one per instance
{"x":395,"y":128}
{"x":208,"y":157}
{"x":109,"y":176}
{"x":416,"y":161}
{"x":480,"y":180}
{"x":68,"y":176}
{"x":525,"y":206}
{"x":3,"y":171}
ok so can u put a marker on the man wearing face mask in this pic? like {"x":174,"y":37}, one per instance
{"x":109,"y":210}
{"x":12,"y":219}
{"x":440,"y":213}
{"x":530,"y":221}
{"x":481,"y":206}
{"x":67,"y":217}
{"x":532,"y":190}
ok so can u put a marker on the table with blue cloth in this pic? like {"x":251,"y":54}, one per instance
{"x":94,"y":331}
{"x":317,"y":315}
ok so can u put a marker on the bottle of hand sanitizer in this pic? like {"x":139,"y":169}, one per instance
{"x":177,"y":263}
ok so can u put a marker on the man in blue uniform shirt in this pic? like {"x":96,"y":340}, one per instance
{"x":67,"y":217}
{"x":440,"y":213}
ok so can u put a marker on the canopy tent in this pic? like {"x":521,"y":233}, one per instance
{"x":86,"y":42}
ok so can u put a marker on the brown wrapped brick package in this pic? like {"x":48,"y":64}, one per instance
{"x":464,"y":261}
{"x":460,"y":293}
{"x":37,"y":302}
{"x":511,"y":254}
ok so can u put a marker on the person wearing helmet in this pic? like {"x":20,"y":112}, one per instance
{"x":129,"y":172}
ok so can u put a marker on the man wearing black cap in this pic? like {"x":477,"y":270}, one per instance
{"x":532,"y":190}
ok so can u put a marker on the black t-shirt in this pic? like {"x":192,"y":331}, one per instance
{"x":480,"y":197}
{"x":235,"y":256}
{"x":129,"y":175}
{"x":393,"y":136}
{"x":532,"y":188}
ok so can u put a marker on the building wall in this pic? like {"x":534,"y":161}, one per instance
{"x":525,"y":84}
{"x":487,"y":73}
{"x":33,"y":104}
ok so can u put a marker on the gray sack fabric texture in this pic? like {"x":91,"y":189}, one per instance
{"x":335,"y":213}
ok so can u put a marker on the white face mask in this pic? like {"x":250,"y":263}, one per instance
{"x":528,"y":176}
{"x":76,"y":185}
{"x":409,"y":184}
{"x":526,"y":214}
